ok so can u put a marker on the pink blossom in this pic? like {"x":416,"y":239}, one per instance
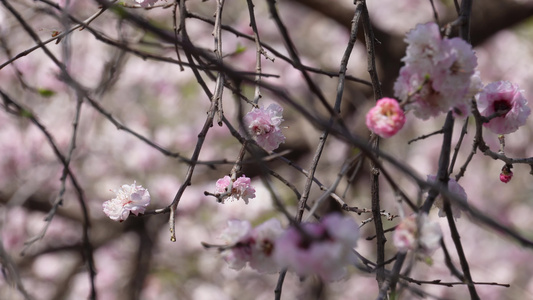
{"x":437,"y":75}
{"x":264,"y":242}
{"x":255,"y":246}
{"x":146,"y":3}
{"x":237,"y":236}
{"x":240,"y":189}
{"x":325,"y":251}
{"x":417,"y":233}
{"x":455,"y":188}
{"x":415,"y":87}
{"x":452,"y":75}
{"x":130,"y":198}
{"x":502,"y":96}
{"x":386,"y":118}
{"x":404,"y":237}
{"x":423,"y":45}
{"x":263,"y":124}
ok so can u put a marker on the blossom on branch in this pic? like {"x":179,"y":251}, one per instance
{"x":438,"y":73}
{"x":264,"y":238}
{"x":237,"y":237}
{"x":386,"y":118}
{"x":254,"y":246}
{"x":240,"y":189}
{"x":506,"y":98}
{"x":417,"y":233}
{"x":263,"y":125}
{"x":325,"y":248}
{"x":130,"y":198}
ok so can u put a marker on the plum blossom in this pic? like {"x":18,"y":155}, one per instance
{"x":386,"y":118}
{"x":456,"y":189}
{"x":237,"y":236}
{"x":240,"y":189}
{"x":263,"y":125}
{"x":264,"y":238}
{"x":506,"y":175}
{"x":437,"y":74}
{"x":325,"y":250}
{"x":254,"y":246}
{"x":417,"y":233}
{"x":503,"y":96}
{"x":146,"y":3}
{"x":130,"y":198}
{"x":423,"y":45}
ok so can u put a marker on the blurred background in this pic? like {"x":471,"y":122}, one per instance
{"x":136,"y":259}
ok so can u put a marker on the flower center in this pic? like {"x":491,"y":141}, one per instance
{"x":261,"y":129}
{"x":501,"y":106}
{"x":268,"y":247}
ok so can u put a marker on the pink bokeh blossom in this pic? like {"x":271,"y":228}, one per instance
{"x":240,"y":189}
{"x":243,"y":245}
{"x":501,"y":96}
{"x":130,"y":198}
{"x":386,"y":118}
{"x":263,"y":125}
{"x":264,"y":238}
{"x":237,"y":236}
{"x":417,"y":233}
{"x":326,"y":251}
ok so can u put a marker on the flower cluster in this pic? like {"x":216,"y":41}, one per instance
{"x":456,"y":189}
{"x":130,"y":198}
{"x":506,"y":98}
{"x":263,"y":125}
{"x":417,"y":233}
{"x":439,"y":74}
{"x":254,"y":246}
{"x":386,"y":118}
{"x":324,"y":248}
{"x":240,"y":189}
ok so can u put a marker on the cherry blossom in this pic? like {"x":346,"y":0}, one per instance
{"x":237,"y":237}
{"x":325,"y":250}
{"x":263,"y":125}
{"x":423,"y":45}
{"x":130,"y":198}
{"x":417,"y":233}
{"x":503,"y":96}
{"x":456,"y":189}
{"x":240,"y":189}
{"x":437,"y":74}
{"x":254,"y":246}
{"x":386,"y":118}
{"x":264,"y":238}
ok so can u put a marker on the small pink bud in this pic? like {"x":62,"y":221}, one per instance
{"x":506,"y":175}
